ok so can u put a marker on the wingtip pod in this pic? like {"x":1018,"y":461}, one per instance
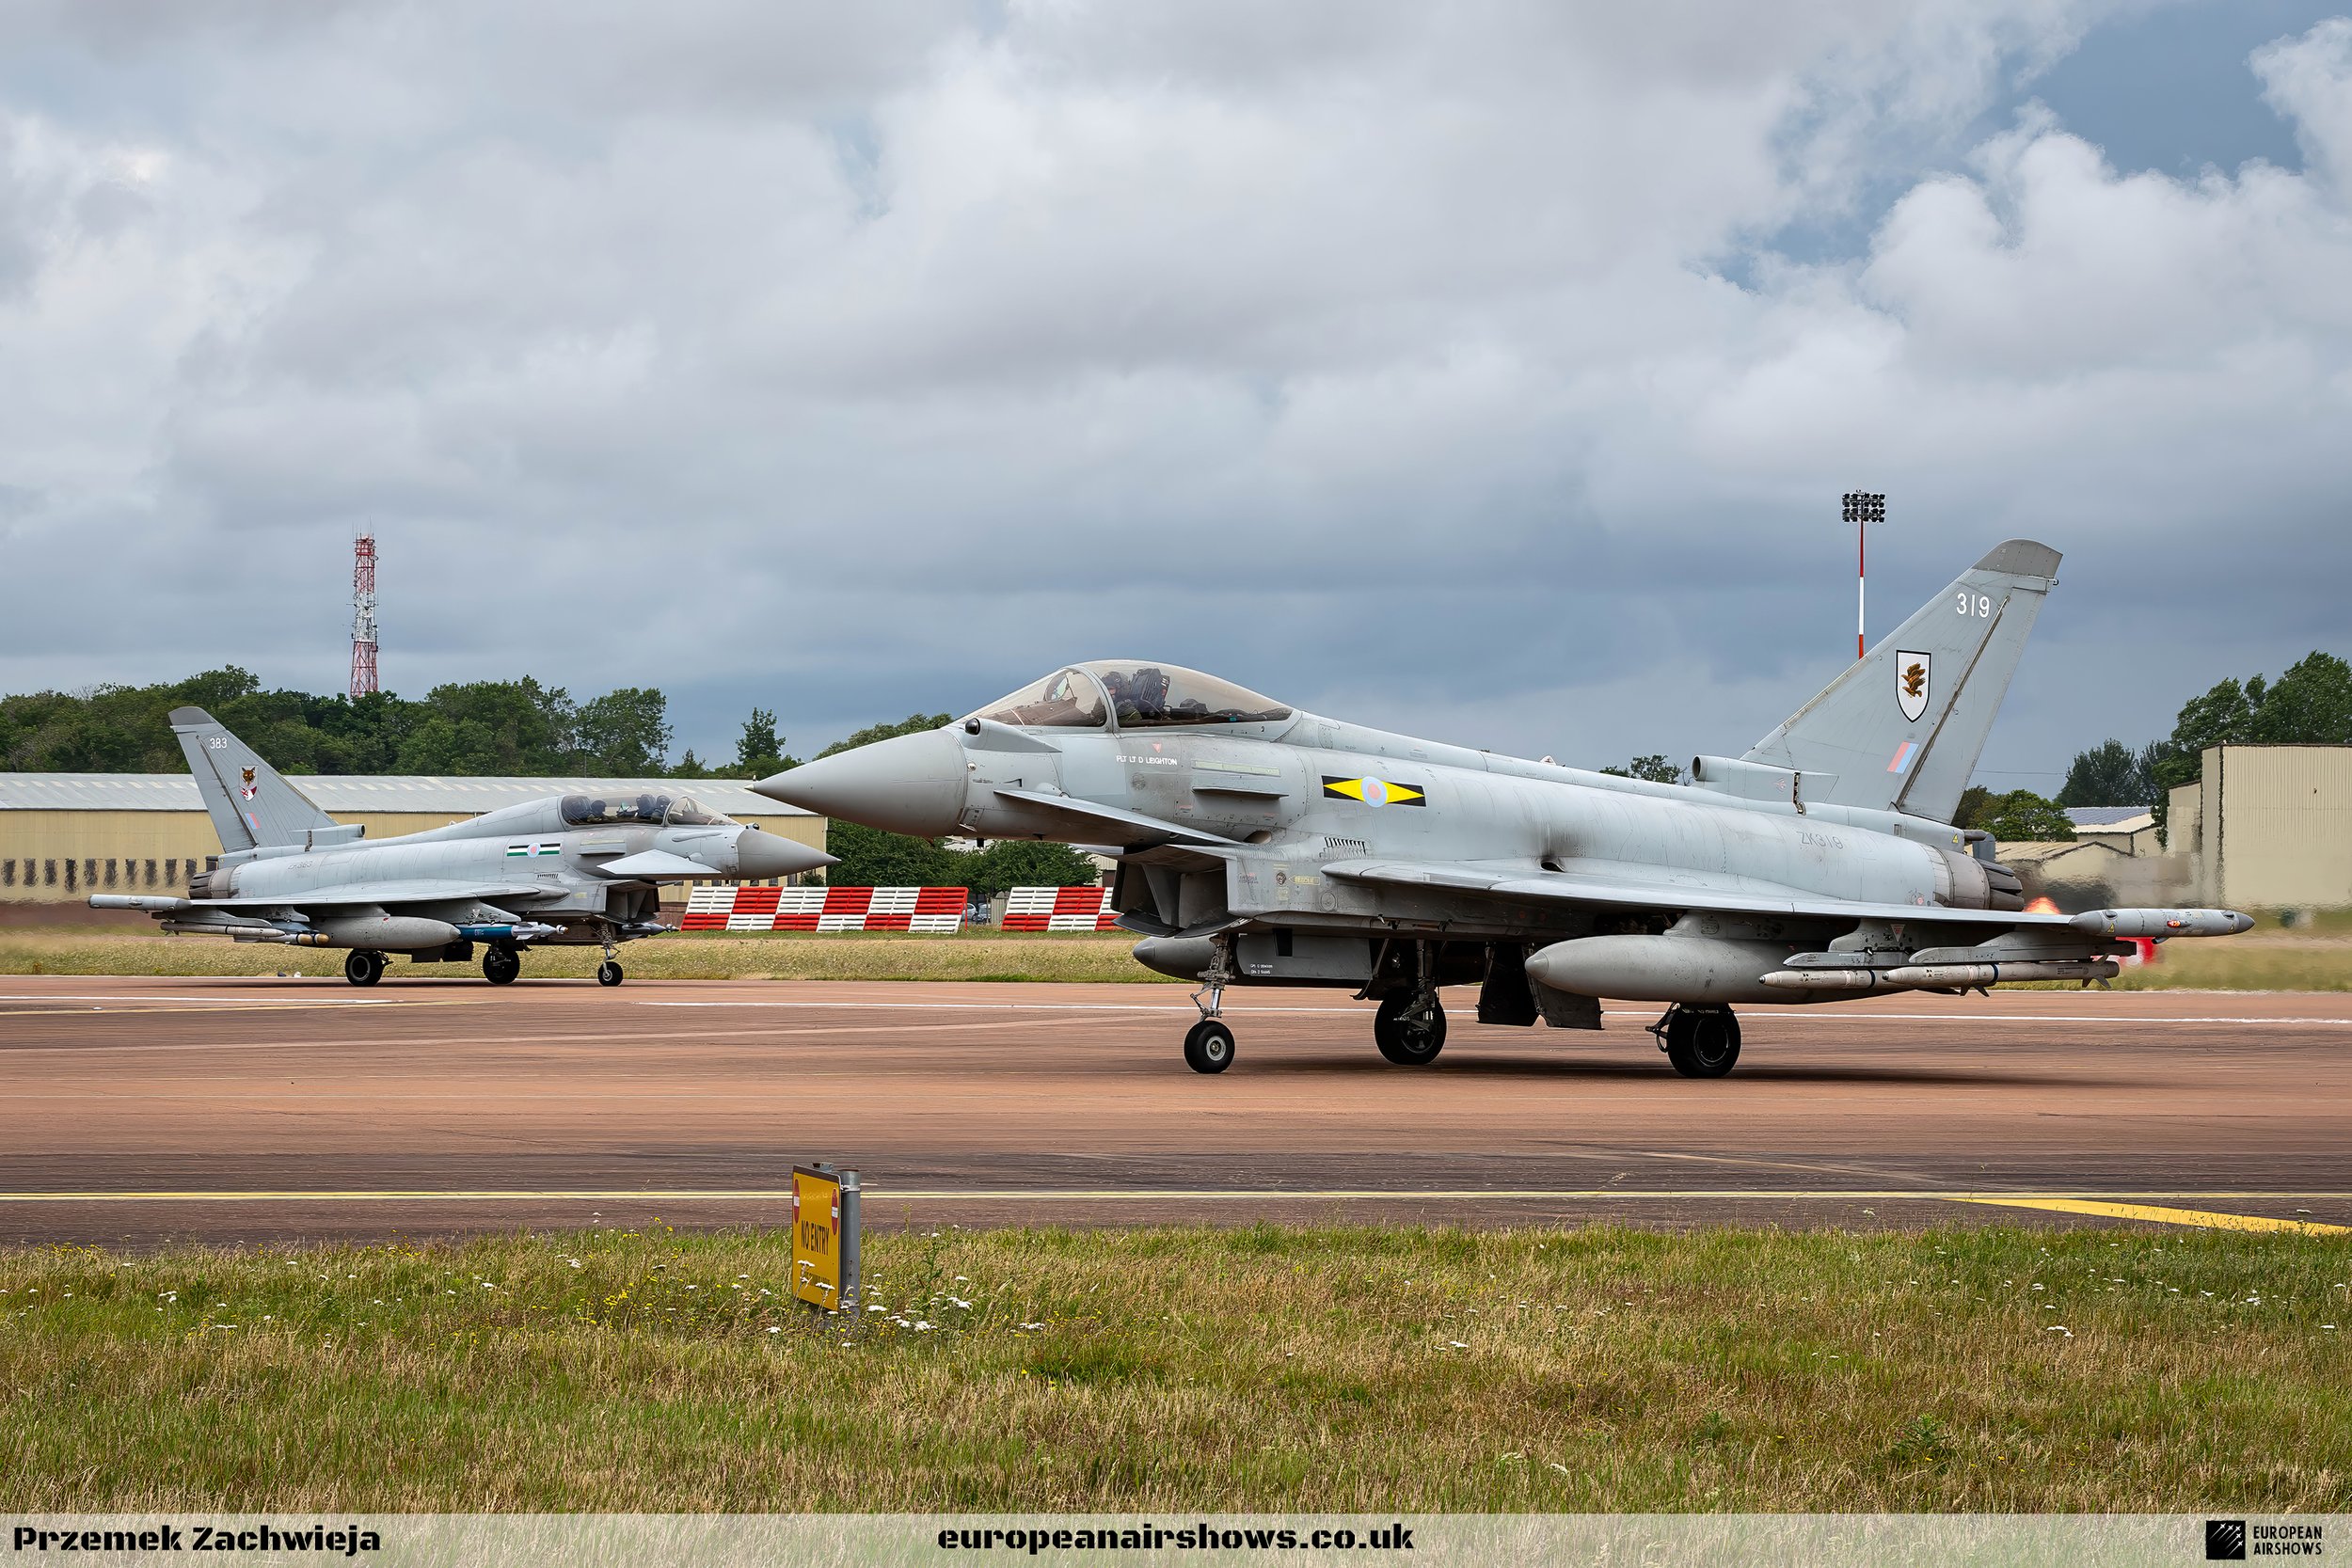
{"x":155,"y":904}
{"x":2163,"y":923}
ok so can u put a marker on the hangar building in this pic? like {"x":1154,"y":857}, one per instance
{"x":64,"y":836}
{"x":2266,"y":828}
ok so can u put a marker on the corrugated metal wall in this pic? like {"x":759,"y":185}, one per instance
{"x":2277,"y":826}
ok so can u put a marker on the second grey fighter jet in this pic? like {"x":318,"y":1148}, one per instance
{"x":569,"y":870}
{"x":1261,"y":844}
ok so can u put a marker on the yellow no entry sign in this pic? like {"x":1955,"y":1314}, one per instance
{"x":825,"y":1236}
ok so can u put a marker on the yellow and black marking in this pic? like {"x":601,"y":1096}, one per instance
{"x":1373,"y":792}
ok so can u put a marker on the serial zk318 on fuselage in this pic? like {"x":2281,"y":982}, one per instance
{"x":1259,"y":844}
{"x":570,"y":870}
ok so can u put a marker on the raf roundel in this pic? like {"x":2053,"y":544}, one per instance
{"x":1373,"y":792}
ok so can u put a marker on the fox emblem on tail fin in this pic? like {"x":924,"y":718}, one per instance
{"x":1911,"y":682}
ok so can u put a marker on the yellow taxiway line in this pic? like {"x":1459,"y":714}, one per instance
{"x":2106,"y":1206}
{"x":2207,"y":1219}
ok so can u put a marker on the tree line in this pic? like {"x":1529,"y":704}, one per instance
{"x":470,"y":729}
{"x":2311,"y":705}
{"x":464,"y":730}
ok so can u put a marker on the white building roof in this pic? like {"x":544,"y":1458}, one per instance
{"x":2110,"y":818}
{"x":350,"y":794}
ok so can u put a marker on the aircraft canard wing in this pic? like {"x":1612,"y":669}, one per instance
{"x":1113,"y":825}
{"x":1629,"y":887}
{"x":658,"y":865}
{"x":414,"y":891}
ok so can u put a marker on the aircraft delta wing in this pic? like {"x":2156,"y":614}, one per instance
{"x":571,"y":870}
{"x":1257,"y":844}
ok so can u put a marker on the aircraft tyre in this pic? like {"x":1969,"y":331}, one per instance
{"x":1408,"y":1041}
{"x":500,"y":965}
{"x":607,"y":974}
{"x":1209,"y":1046}
{"x":363,"y":967}
{"x":1703,"y":1044}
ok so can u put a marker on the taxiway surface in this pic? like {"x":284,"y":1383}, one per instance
{"x":138,"y":1110}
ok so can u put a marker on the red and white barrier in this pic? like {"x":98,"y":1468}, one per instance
{"x":725,"y":907}
{"x":1059,"y":908}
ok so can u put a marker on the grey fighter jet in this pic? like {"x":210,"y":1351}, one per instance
{"x":569,"y":870}
{"x":1257,"y":844}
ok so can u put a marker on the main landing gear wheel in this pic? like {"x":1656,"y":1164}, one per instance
{"x":1409,"y":1033}
{"x":1700,"y":1042}
{"x":1209,"y":1046}
{"x":607,"y":974}
{"x":363,"y":967}
{"x":500,"y":965}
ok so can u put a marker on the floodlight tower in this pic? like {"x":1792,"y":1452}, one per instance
{"x":362,"y":616}
{"x":1863,"y":506}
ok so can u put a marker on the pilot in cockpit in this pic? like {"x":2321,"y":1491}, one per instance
{"x":1139,"y":696}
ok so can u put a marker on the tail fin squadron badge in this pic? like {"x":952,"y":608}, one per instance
{"x":249,"y":789}
{"x":1373,"y":792}
{"x":1911,"y":682}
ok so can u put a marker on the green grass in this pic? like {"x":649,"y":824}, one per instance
{"x":2249,"y":962}
{"x":2268,"y":959}
{"x":1262,"y":1369}
{"x":691,"y":956}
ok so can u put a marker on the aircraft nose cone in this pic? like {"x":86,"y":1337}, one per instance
{"x":760,"y":855}
{"x":910,"y":783}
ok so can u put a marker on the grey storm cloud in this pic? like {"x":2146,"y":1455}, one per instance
{"x":1445,"y":367}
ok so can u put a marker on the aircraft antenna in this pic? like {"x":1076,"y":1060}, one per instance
{"x":1862,"y":507}
{"x":362,"y":615}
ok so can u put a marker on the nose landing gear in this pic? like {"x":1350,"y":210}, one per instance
{"x":608,"y":971}
{"x":1209,"y":1044}
{"x":1411,"y":1029}
{"x":1701,"y":1043}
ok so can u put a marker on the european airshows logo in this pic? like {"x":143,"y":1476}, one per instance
{"x":2236,"y":1540}
{"x":1373,"y":792}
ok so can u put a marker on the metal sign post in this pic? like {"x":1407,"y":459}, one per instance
{"x":825,"y":1240}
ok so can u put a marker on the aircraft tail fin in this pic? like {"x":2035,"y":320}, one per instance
{"x":251,"y":804}
{"x":1903,"y":728}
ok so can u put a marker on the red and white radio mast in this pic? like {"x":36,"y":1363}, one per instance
{"x":362,"y":615}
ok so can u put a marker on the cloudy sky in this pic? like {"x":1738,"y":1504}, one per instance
{"x":1487,"y":370}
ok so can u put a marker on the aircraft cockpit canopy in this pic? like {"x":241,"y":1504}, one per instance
{"x":1139,"y":695}
{"x":641,"y":810}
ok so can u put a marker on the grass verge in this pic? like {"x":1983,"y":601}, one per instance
{"x":2265,"y":962}
{"x":1265,"y":1369}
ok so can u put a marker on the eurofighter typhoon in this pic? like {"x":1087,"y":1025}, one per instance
{"x":568,"y":870}
{"x":1257,"y":844}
